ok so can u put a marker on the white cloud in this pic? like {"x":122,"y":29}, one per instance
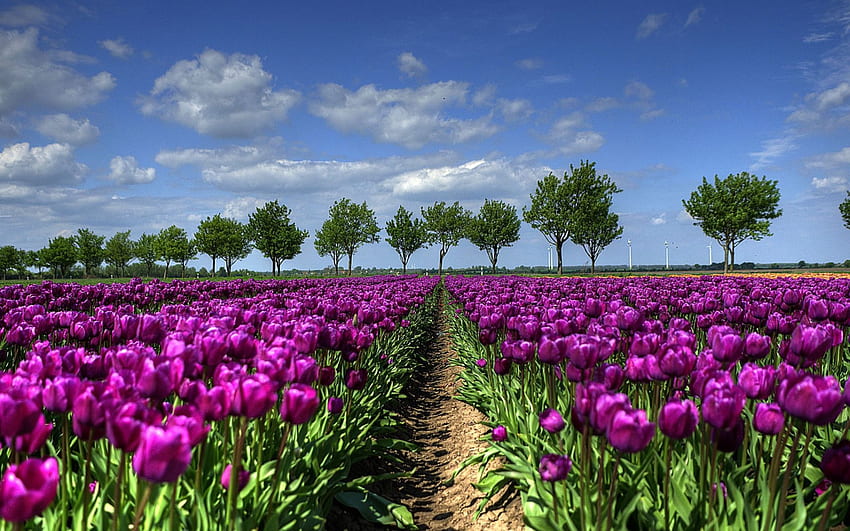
{"x":464,"y":181}
{"x":219,"y":95}
{"x":484,"y":96}
{"x":34,"y":77}
{"x":661,"y":219}
{"x":410,"y":66}
{"x":125,"y":170}
{"x":40,"y":165}
{"x":514,"y":110}
{"x":23,"y":15}
{"x":771,"y":150}
{"x":652,"y":114}
{"x":603,"y":104}
{"x":830,"y":184}
{"x":638,"y":90}
{"x":563,"y":135}
{"x":582,"y":142}
{"x":695,"y":16}
{"x":833,"y":97}
{"x":224,"y":158}
{"x":63,"y":128}
{"x":408,"y":117}
{"x":650,"y":24}
{"x":530,"y":63}
{"x":817,"y":37}
{"x":683,"y":216}
{"x":241,"y":207}
{"x":556,"y":79}
{"x":117,"y":47}
{"x":830,"y":160}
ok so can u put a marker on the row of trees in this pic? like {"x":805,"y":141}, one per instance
{"x":575,"y":208}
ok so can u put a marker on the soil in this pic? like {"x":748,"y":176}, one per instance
{"x":447,"y":431}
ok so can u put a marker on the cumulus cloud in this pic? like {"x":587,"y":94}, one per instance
{"x":695,"y":16}
{"x":650,"y":24}
{"x":34,"y":77}
{"x":23,"y":15}
{"x":63,"y":128}
{"x":468,"y":180}
{"x":40,"y":165}
{"x":514,"y":110}
{"x":219,"y":95}
{"x":241,"y":207}
{"x":830,"y":184}
{"x":410,"y":66}
{"x":117,"y":47}
{"x":603,"y":104}
{"x":638,"y":90}
{"x":817,"y":37}
{"x":568,"y":140}
{"x":529,"y":63}
{"x":408,"y":117}
{"x":651,"y":114}
{"x":125,"y":170}
{"x":661,"y":219}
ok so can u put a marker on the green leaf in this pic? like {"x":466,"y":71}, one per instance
{"x":377,"y":509}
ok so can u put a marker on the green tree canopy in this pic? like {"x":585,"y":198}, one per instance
{"x":844,"y":208}
{"x":10,"y":258}
{"x":348,"y":227}
{"x":275,"y":235}
{"x":146,"y":249}
{"x":173,"y":245}
{"x":496,"y":226}
{"x":594,"y":226}
{"x":446,"y":226}
{"x":226,"y":238}
{"x":734,"y":209}
{"x":406,"y":235}
{"x":119,"y":251}
{"x":60,"y":255}
{"x":89,"y":249}
{"x":558,"y":206}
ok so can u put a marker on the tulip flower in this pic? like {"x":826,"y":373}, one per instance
{"x":630,"y":431}
{"x":500,"y":433}
{"x":813,"y":398}
{"x":554,"y":467}
{"x":551,"y":421}
{"x":835,"y":462}
{"x":768,"y":419}
{"x":335,"y":405}
{"x":678,"y":418}
{"x":163,"y":454}
{"x":298,"y":404}
{"x":244,"y":477}
{"x":355,"y":379}
{"x":28,"y":489}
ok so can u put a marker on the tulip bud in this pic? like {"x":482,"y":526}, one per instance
{"x":554,"y":467}
{"x":28,"y":489}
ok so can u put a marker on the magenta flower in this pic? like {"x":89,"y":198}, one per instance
{"x":242,"y":478}
{"x":756,"y":346}
{"x":253,"y":396}
{"x":757,"y":382}
{"x":813,"y":398}
{"x":335,"y":405}
{"x":722,"y":404}
{"x":355,"y":379}
{"x":604,"y":408}
{"x":550,"y":420}
{"x":554,"y":467}
{"x":678,"y":418}
{"x":768,"y":419}
{"x":28,"y":489}
{"x":500,"y":433}
{"x":729,"y":440}
{"x":481,"y":362}
{"x":630,"y":431}
{"x":298,"y":404}
{"x":835,"y":462}
{"x":163,"y":454}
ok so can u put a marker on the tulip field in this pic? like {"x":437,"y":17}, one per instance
{"x":615,"y":403}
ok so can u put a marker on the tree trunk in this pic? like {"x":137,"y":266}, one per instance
{"x":732,"y":258}
{"x":165,"y":275}
{"x":495,"y":259}
{"x":350,"y":257}
{"x":440,"y":270}
{"x":212,"y":273}
{"x":592,"y":265}
{"x":725,"y":259}
{"x":404,"y":267}
{"x":559,"y":247}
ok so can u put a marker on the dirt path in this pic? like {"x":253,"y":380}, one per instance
{"x":448,"y":432}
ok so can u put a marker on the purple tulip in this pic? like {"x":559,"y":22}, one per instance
{"x":756,"y":346}
{"x":355,"y":379}
{"x":125,"y":423}
{"x":630,"y":431}
{"x":722,"y":404}
{"x":757,"y":382}
{"x":678,"y":418}
{"x":502,"y":366}
{"x":253,"y":396}
{"x":550,"y":420}
{"x":677,"y":360}
{"x":189,"y":417}
{"x":242,"y":478}
{"x":335,"y":405}
{"x":481,"y":362}
{"x":28,"y":489}
{"x":298,"y":404}
{"x":835,"y":462}
{"x":19,"y":416}
{"x":810,"y":342}
{"x":604,"y":408}
{"x":813,"y":398}
{"x":500,"y":433}
{"x":727,"y":346}
{"x":554,"y":467}
{"x":326,"y":376}
{"x":768,"y":419}
{"x":729,"y":440}
{"x":163,"y":454}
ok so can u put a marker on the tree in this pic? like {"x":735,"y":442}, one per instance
{"x":556,"y":204}
{"x":733,"y":210}
{"x":119,"y":251}
{"x":185,"y":252}
{"x":35,"y":259}
{"x":496,"y":226}
{"x":844,"y":208}
{"x":275,"y":235}
{"x":89,"y":249}
{"x":594,"y":226}
{"x":147,"y":251}
{"x":172,"y":245}
{"x":60,"y":254}
{"x":220,"y":237}
{"x":406,"y":235}
{"x":446,"y":226}
{"x":348,"y":227}
{"x":10,"y":258}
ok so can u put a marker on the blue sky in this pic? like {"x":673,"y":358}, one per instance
{"x":117,"y":116}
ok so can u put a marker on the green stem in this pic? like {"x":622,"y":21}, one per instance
{"x":173,"y":503}
{"x":119,"y":491}
{"x":140,"y":505}
{"x":612,"y":490}
{"x":668,"y":451}
{"x":599,"y":480}
{"x":773,"y":471}
{"x":786,"y":479}
{"x":824,"y":517}
{"x":233,"y":489}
